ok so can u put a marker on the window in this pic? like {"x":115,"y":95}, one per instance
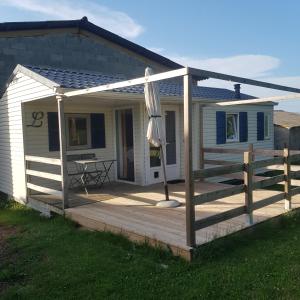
{"x":232,"y":134}
{"x":78,"y":131}
{"x":267,"y":126}
{"x":154,"y":156}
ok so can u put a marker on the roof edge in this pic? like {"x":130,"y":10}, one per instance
{"x":41,"y":79}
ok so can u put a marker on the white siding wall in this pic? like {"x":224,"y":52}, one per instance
{"x":209,"y":131}
{"x":37,"y":138}
{"x":209,"y":119}
{"x":22,"y":88}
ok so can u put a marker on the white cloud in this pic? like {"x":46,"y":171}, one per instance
{"x":249,"y":65}
{"x":157,"y":50}
{"x":115,"y":21}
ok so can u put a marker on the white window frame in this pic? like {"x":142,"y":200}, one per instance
{"x":88,"y":128}
{"x":267,"y":119}
{"x":234,"y":140}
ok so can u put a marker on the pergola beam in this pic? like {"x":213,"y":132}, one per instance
{"x":178,"y":73}
{"x":128,"y":83}
{"x":215,"y":75}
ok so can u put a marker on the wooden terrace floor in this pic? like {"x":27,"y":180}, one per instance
{"x":131,"y":211}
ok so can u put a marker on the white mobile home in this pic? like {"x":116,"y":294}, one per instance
{"x":112,"y":126}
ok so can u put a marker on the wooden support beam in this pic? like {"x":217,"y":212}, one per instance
{"x":295,"y":191}
{"x":188,"y":159}
{"x":267,"y":162}
{"x":268,"y":182}
{"x":63,"y":150}
{"x":295,"y":174}
{"x":251,"y":149}
{"x":217,"y":162}
{"x":215,"y":75}
{"x":248,"y":182}
{"x":127,"y":83}
{"x":226,"y":215}
{"x":224,"y":150}
{"x":287,"y":184}
{"x":218,"y":171}
{"x":295,"y":157}
{"x":43,"y":160}
{"x":268,"y":201}
{"x":201,"y":138}
{"x":44,"y":190}
{"x":219,"y":194}
{"x":51,"y":176}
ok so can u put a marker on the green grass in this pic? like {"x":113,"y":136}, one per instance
{"x":54,"y":259}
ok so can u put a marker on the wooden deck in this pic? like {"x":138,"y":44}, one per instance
{"x":131,"y":211}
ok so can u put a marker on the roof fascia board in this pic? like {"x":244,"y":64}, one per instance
{"x":37,"y":32}
{"x":41,"y":79}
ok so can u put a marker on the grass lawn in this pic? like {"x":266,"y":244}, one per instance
{"x":54,"y":259}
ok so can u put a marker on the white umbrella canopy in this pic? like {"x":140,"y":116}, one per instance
{"x":155,"y":132}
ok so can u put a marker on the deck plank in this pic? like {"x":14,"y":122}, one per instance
{"x":130,"y":210}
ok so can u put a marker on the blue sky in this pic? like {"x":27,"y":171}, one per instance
{"x":257,"y":39}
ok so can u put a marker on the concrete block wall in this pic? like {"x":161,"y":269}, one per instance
{"x":70,"y":51}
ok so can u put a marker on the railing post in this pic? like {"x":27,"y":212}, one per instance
{"x":248,"y":180}
{"x":63,"y":158}
{"x":28,"y":179}
{"x":251,"y":149}
{"x":188,"y":159}
{"x":287,"y":182}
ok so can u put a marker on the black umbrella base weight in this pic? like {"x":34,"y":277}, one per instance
{"x":168,"y":203}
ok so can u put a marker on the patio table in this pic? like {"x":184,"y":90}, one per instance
{"x":94,"y":171}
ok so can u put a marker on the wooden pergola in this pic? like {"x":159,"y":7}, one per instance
{"x":188,"y":74}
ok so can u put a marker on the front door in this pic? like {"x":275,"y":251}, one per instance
{"x":172,"y":142}
{"x":171,"y":150}
{"x":125,"y":153}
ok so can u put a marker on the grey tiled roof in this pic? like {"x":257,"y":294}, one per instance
{"x":79,"y":80}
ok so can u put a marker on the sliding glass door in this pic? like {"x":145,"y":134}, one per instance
{"x":125,"y":153}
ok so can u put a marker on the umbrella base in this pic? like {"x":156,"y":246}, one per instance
{"x":168,"y":203}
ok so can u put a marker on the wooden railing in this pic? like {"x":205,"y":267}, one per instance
{"x":41,"y":174}
{"x":248,"y":168}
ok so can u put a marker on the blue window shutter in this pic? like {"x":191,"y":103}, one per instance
{"x":260,"y":126}
{"x":53,"y":132}
{"x":243,"y":126}
{"x":98,"y":130}
{"x":221,"y":127}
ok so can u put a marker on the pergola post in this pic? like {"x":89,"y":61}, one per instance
{"x":63,"y":150}
{"x":188,"y":159}
{"x":201,"y":137}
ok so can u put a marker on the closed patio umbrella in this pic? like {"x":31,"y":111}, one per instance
{"x":155,"y":132}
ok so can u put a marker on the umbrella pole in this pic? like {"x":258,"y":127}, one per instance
{"x":164,"y":171}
